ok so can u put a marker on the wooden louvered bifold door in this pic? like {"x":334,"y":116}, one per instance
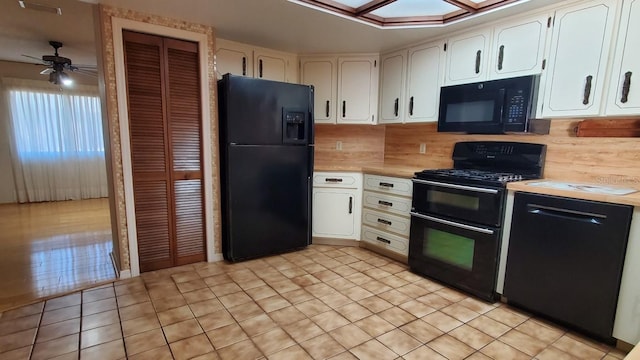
{"x":165,"y":133}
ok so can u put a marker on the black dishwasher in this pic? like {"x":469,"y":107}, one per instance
{"x":565,"y":260}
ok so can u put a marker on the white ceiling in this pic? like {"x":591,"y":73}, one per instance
{"x":277,"y":24}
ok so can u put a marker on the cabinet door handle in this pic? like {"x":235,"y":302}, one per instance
{"x":383,"y":221}
{"x":387,"y":185}
{"x":478,"y":55}
{"x":626,"y":86}
{"x":411,"y":106}
{"x":260,"y":67}
{"x":381,"y":239}
{"x":244,"y":66}
{"x":333,"y":180}
{"x":344,"y":108}
{"x":587,"y":90}
{"x":500,"y":57}
{"x":395,"y":107}
{"x":327,"y":108}
{"x":385,"y":203}
{"x":350,"y":204}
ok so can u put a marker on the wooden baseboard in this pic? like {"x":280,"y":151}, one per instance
{"x":382,"y":251}
{"x":334,"y":242}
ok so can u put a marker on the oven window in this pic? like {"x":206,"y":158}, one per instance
{"x":455,"y":200}
{"x":472,"y":111}
{"x":450,"y":248}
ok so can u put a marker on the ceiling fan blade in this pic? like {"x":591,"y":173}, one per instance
{"x":46,"y":71}
{"x":85,"y":66}
{"x":33,"y":57}
{"x":86,"y":72}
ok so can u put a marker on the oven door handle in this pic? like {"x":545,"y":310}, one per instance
{"x":454,"y":186}
{"x":458,"y":225}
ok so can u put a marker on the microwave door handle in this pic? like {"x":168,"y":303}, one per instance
{"x":502,"y":103}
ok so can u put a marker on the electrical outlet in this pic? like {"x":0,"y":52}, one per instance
{"x":339,"y":145}
{"x":423,"y":148}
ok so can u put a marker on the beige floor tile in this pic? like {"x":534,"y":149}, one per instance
{"x":198,"y":295}
{"x":577,"y":348}
{"x":523,"y":342}
{"x":540,"y":331}
{"x":295,"y":352}
{"x":261,"y":292}
{"x":421,"y":330}
{"x":66,"y":313}
{"x":205,"y":307}
{"x":297,"y":296}
{"x":208,"y":356}
{"x":234,"y":299}
{"x":354,"y":312}
{"x":460,"y":312}
{"x":375,"y":304}
{"x":335,"y":300}
{"x":357,"y":293}
{"x":100,"y":335}
{"x":224,"y":289}
{"x":218,"y":279}
{"x":139,"y":325}
{"x":489,"y":326}
{"x":145,"y":341}
{"x":185,"y":276}
{"x":17,"y":340}
{"x":89,"y":296}
{"x":451,"y":348}
{"x":424,"y":353}
{"x":168,"y":303}
{"x":257,"y":325}
{"x":398,"y":341}
{"x":245,"y":311}
{"x":99,"y":306}
{"x":394,"y":297}
{"x":286,"y":315}
{"x":100,"y":319}
{"x":553,"y":353}
{"x":434,"y":300}
{"x":413,"y":291}
{"x":160,"y":353}
{"x":305,"y":280}
{"x":507,"y":316}
{"x":329,"y":320}
{"x":500,"y":351}
{"x":55,"y":347}
{"x":242,"y":350}
{"x":417,"y":308}
{"x":182,"y":330}
{"x":374,"y":325}
{"x":226,"y":335}
{"x":11,"y":326}
{"x":108,"y":351}
{"x":273,"y":303}
{"x":350,"y":336}
{"x":478,"y":356}
{"x":191,"y":347}
{"x":375,"y":287}
{"x":273,"y":341}
{"x":136,"y":311}
{"x":312,"y":307}
{"x":216,"y":319}
{"x":128,"y":288}
{"x":451,"y":294}
{"x":133,"y":298}
{"x":476,"y":305}
{"x":322,"y":347}
{"x":63,"y":302}
{"x":17,"y":354}
{"x":397,"y":316}
{"x":373,"y":350}
{"x":471,"y":336}
{"x":192,"y":285}
{"x":175,"y":315}
{"x":303,"y":330}
{"x":394,"y":281}
{"x":57,"y":330}
{"x":320,"y":290}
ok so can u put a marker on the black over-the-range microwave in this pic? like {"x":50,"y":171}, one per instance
{"x":490,"y":107}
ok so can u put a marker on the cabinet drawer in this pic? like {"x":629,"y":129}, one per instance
{"x":391,"y":185}
{"x":342,"y":180}
{"x":383,"y":202}
{"x":385,"y":240}
{"x":386,"y":222}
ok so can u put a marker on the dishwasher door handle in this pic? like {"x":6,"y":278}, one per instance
{"x":582,"y":216}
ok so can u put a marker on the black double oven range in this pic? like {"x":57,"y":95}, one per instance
{"x":457,"y":214}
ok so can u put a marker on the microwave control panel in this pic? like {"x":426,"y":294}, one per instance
{"x":516,"y":106}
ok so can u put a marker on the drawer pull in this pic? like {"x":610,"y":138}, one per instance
{"x":383,"y":221}
{"x":387,"y":185}
{"x":385,"y":203}
{"x":381,"y":239}
{"x":333,"y":180}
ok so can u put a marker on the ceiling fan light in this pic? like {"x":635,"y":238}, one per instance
{"x":65,"y":79}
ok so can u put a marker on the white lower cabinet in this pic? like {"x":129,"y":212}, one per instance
{"x":385,"y":217}
{"x":336,"y":205}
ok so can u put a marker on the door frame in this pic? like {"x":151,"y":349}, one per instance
{"x":118,"y":25}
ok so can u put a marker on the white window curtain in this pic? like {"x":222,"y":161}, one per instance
{"x":57,"y":145}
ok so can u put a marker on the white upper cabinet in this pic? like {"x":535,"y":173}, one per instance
{"x":322,"y":73}
{"x":424,"y":78}
{"x":271,"y":65}
{"x":624,"y":94}
{"x":467,"y":57}
{"x":580,"y":44}
{"x":518,"y":47}
{"x":392,"y":76}
{"x":234,"y":58}
{"x":357,"y":90}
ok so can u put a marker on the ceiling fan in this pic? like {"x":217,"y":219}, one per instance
{"x":56,"y":66}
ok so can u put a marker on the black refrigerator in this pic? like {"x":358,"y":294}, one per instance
{"x":266,"y":166}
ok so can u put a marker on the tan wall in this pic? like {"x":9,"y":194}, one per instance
{"x":106,"y":15}
{"x":595,"y":160}
{"x":362,"y":145}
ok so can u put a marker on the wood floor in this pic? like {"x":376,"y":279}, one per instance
{"x":52,"y":248}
